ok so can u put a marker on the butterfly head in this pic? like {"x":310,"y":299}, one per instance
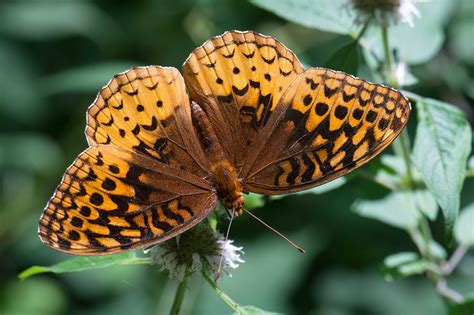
{"x":228,"y":186}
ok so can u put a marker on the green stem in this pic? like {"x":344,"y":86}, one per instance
{"x":402,"y":144}
{"x":405,"y":146}
{"x":455,"y":259}
{"x":179,"y":296}
{"x":426,"y":233}
{"x":232,"y":304}
{"x":362,"y":31}
{"x":402,"y":149}
{"x":386,"y":48}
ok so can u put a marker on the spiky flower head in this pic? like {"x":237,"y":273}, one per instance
{"x":386,"y":12}
{"x":196,"y":250}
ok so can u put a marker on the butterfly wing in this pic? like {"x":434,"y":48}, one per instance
{"x":238,"y":78}
{"x":286,"y":130}
{"x":112,"y":199}
{"x":146,"y":109}
{"x":326,"y":124}
{"x":143,"y":178}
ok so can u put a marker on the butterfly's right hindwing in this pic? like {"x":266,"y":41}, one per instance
{"x":112,"y":199}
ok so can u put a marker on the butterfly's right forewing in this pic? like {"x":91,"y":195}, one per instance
{"x":326,"y":124}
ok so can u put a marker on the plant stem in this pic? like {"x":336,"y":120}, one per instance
{"x":445,"y":291}
{"x":456,"y":257}
{"x":402,"y":148}
{"x":233,"y":305}
{"x":386,"y":48}
{"x":402,"y":144}
{"x":179,"y":296}
{"x":362,"y":31}
{"x":405,"y":145}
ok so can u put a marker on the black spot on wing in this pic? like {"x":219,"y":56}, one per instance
{"x":295,"y":169}
{"x":152,"y":126}
{"x":240,"y":92}
{"x":328,"y":92}
{"x":310,"y":168}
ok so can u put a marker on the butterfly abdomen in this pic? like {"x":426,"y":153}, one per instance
{"x":223,"y":173}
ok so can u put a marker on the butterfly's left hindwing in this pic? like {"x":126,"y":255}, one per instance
{"x":112,"y":199}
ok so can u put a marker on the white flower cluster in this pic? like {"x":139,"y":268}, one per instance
{"x":231,"y":256}
{"x":197,"y":250}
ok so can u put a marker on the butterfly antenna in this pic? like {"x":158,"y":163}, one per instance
{"x":275,"y":231}
{"x":221,"y":258}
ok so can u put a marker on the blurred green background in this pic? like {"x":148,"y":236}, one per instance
{"x":54,"y":58}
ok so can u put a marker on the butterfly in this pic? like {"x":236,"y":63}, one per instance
{"x":244,"y":117}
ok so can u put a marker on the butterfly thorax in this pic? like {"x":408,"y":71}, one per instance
{"x":223,"y":173}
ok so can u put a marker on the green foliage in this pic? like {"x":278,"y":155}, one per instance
{"x":442,"y":146}
{"x":404,"y":264}
{"x":42,"y":20}
{"x":88,"y":78}
{"x":466,"y":308}
{"x":345,"y":59}
{"x":326,"y":15}
{"x":398,"y":209}
{"x":464,"y":229}
{"x":87,"y":263}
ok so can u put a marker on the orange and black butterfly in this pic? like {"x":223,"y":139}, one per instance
{"x":244,"y":117}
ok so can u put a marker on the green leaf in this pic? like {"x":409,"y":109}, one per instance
{"x":404,"y":264}
{"x":345,"y":59}
{"x":436,"y":250}
{"x":87,"y":263}
{"x":397,"y":209}
{"x":401,"y":258}
{"x":416,"y":267}
{"x":466,"y":308}
{"x":252,"y":310}
{"x":442,"y":146}
{"x":87,"y":78}
{"x":464,"y":229}
{"x":426,"y":203}
{"x":326,"y":15}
